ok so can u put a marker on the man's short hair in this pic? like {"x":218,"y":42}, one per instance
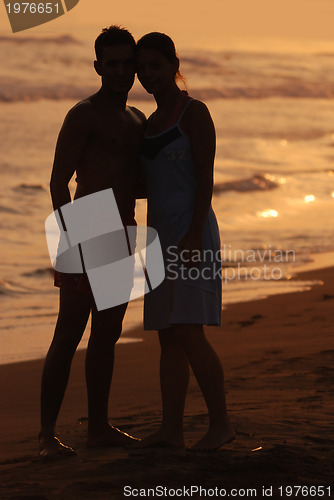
{"x":114,"y":35}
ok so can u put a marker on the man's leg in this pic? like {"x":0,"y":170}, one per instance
{"x":73,"y":315}
{"x":106,"y":329}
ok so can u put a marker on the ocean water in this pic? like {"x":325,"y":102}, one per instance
{"x":274,"y":173}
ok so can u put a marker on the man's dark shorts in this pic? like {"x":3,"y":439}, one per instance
{"x":75,"y":282}
{"x":80,"y":282}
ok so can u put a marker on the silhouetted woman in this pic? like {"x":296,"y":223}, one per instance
{"x":178,"y":156}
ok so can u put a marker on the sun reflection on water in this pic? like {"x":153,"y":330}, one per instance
{"x":267,"y":213}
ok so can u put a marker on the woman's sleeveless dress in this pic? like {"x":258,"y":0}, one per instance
{"x":193,"y":296}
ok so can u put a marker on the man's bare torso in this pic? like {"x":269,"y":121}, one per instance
{"x":110,"y":156}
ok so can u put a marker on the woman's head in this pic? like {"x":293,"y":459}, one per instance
{"x":155,"y":50}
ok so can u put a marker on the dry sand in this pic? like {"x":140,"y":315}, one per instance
{"x":278,"y":358}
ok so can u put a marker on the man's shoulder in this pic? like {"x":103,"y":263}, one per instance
{"x":139,"y":114}
{"x":81,"y":110}
{"x":80,"y":118}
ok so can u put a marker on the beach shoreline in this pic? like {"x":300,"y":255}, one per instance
{"x":14,"y":347}
{"x":277,"y":354}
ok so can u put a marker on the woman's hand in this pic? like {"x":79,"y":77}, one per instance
{"x":191,"y":248}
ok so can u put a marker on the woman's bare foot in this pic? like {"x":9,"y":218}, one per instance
{"x":109,"y":438}
{"x":160,"y":439}
{"x":51,"y":447}
{"x":214,"y":439}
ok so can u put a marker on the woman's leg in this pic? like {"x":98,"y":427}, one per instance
{"x":182,"y":345}
{"x":174,"y":378}
{"x":210,"y":377}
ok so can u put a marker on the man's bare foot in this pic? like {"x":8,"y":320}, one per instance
{"x":160,"y":439}
{"x":109,"y":438}
{"x":51,"y":447}
{"x":214,"y":439}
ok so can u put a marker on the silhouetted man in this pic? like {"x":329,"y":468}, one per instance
{"x":99,"y":141}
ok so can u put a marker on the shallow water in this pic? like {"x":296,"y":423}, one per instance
{"x":274,"y":172}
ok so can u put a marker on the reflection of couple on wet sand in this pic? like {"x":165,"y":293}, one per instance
{"x":101,"y":141}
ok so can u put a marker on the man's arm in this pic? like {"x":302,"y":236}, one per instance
{"x":140,"y":184}
{"x":72,"y":140}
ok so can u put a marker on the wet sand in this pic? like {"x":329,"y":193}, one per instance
{"x":278,"y":358}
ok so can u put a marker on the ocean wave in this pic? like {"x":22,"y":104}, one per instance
{"x":8,"y":288}
{"x":30,"y":187}
{"x":51,"y":69}
{"x":40,"y":272}
{"x":8,"y":210}
{"x":256,"y":183}
{"x":198,"y":61}
{"x":59,"y":40}
{"x":21,"y":93}
{"x":297,"y":91}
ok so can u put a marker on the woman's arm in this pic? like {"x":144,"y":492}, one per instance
{"x":199,"y":126}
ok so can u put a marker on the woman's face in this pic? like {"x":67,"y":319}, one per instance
{"x":154,"y":71}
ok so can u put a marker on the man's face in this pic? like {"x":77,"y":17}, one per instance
{"x":117,"y":68}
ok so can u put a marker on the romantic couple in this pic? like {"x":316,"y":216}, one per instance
{"x":103,"y":141}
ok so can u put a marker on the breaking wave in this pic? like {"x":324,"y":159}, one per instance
{"x":60,"y":67}
{"x":58,"y":40}
{"x":255,"y":183}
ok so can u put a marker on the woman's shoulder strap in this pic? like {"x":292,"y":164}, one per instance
{"x":184,"y":110}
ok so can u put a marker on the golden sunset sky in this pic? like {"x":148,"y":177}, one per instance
{"x":194,"y":23}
